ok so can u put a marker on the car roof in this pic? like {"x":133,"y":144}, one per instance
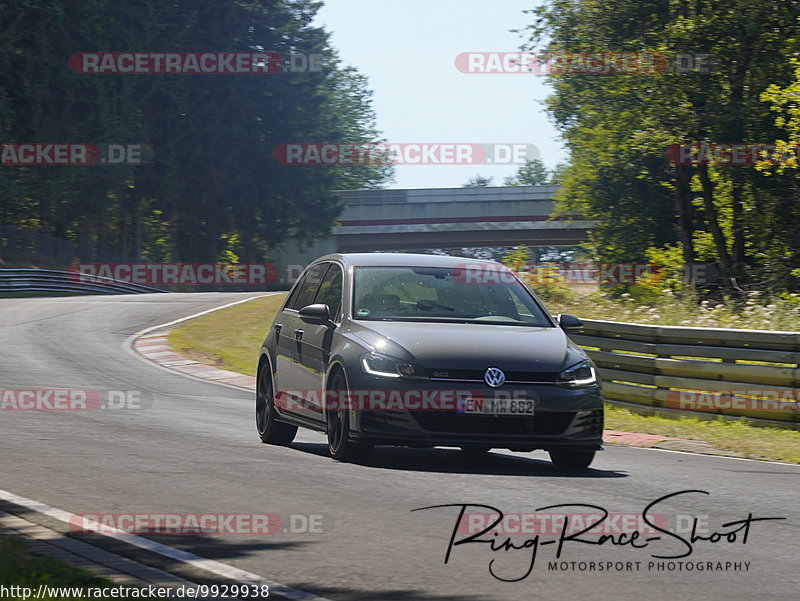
{"x":400,"y":260}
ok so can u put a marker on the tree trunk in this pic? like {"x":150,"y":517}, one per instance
{"x":737,"y":248}
{"x":713,"y":220}
{"x":683,"y":206}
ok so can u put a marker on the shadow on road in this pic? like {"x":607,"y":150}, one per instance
{"x":221,"y":547}
{"x":204,"y":545}
{"x":453,"y":461}
{"x":353,"y":594}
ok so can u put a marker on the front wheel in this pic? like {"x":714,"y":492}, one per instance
{"x":337,"y":428}
{"x":571,"y":460}
{"x":269,"y":428}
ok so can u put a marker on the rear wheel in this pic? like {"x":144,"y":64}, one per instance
{"x":338,"y":427}
{"x":269,"y":428}
{"x":571,"y":460}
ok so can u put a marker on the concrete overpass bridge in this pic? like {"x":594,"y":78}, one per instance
{"x":424,"y":218}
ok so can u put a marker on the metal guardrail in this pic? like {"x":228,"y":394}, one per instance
{"x":745,"y":373}
{"x":49,"y":280}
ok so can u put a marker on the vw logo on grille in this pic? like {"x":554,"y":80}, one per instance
{"x":494,"y":377}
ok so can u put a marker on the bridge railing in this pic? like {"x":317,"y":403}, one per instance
{"x":745,"y":373}
{"x":49,"y":280}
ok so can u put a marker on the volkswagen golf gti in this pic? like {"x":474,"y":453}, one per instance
{"x":423,"y":351}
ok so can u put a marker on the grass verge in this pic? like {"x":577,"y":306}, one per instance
{"x":230,"y":339}
{"x":18,"y":567}
{"x":740,"y":438}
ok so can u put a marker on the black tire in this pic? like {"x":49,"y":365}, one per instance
{"x":571,"y":460}
{"x":269,"y":428}
{"x":475,"y":451}
{"x":337,"y":427}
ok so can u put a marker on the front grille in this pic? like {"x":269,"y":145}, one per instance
{"x":477,"y":375}
{"x":550,"y":423}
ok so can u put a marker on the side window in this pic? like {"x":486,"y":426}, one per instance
{"x":294,"y":293}
{"x":307,"y":289}
{"x":330,"y":290}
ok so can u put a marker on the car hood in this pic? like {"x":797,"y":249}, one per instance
{"x":468,"y":346}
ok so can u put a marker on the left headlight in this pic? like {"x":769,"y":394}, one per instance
{"x":580,"y":375}
{"x":383,"y":366}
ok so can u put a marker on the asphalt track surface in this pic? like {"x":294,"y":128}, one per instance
{"x":195,"y":449}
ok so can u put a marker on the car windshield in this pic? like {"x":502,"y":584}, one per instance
{"x":443,"y":294}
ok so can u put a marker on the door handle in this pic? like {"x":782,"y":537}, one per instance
{"x":298,"y":334}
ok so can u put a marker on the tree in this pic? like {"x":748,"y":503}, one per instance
{"x":213,"y":189}
{"x":532,"y":173}
{"x":618,"y":126}
{"x":478,"y":181}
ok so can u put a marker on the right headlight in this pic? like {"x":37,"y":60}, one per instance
{"x":580,"y":375}
{"x":382,"y":366}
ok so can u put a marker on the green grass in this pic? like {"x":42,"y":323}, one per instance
{"x":756,"y":312}
{"x":737,"y":437}
{"x":230,"y":339}
{"x":18,"y":567}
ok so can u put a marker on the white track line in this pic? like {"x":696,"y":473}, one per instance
{"x":129,"y":342}
{"x":200,"y":314}
{"x":209,"y":565}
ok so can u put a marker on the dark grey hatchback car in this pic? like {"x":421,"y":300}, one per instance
{"x":423,"y":351}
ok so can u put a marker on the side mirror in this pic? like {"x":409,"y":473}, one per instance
{"x":569,"y":323}
{"x":318,"y":313}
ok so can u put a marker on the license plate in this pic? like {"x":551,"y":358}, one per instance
{"x":496,"y":406}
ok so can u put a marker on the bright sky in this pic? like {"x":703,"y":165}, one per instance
{"x":407,"y":49}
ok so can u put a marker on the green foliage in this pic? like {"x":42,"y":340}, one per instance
{"x":478,"y":181}
{"x":786,"y":102}
{"x":756,"y":311}
{"x":517,"y":258}
{"x":554,"y":293}
{"x":543,"y":279}
{"x":213,"y":173}
{"x":532,"y":173}
{"x":618,"y":127}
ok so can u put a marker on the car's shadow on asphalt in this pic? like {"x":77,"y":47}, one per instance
{"x":215,"y":547}
{"x":365,"y":594}
{"x":453,"y":461}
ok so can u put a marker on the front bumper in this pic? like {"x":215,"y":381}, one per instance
{"x":562,"y":418}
